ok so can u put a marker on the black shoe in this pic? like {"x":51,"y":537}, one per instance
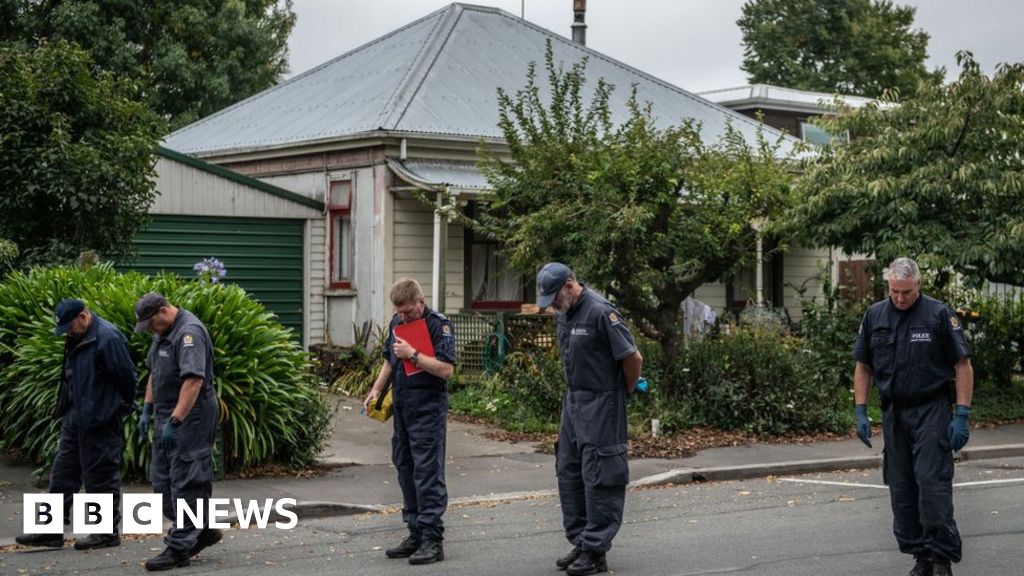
{"x":97,"y":541}
{"x":923,"y":567}
{"x":48,"y":540}
{"x":430,"y":551}
{"x":169,"y":558}
{"x":569,"y":558}
{"x":588,"y":563}
{"x":407,"y":548}
{"x":208,"y":537}
{"x":941,"y":568}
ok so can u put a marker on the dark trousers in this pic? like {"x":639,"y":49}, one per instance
{"x":591,"y":488}
{"x":918,"y":468}
{"x":90,"y":458}
{"x":183,"y":475}
{"x":418,"y":452}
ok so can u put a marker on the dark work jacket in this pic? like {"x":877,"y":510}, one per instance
{"x":912,"y":353}
{"x":98,"y":379}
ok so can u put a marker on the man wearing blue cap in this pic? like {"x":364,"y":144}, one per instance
{"x":602,"y":366}
{"x":97,"y":386}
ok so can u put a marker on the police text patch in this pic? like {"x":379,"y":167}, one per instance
{"x":920,"y":336}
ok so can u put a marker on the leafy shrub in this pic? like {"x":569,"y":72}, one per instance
{"x":995,"y":331}
{"x":526,"y":396}
{"x":352,"y":370}
{"x":755,"y":380}
{"x":270,"y":407}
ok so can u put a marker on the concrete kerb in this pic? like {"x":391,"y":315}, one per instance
{"x":676,"y":476}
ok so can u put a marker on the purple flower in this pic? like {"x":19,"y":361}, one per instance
{"x":210,"y":269}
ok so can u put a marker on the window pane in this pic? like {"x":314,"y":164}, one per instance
{"x":341,"y":194}
{"x":817,"y":135}
{"x":341,"y":248}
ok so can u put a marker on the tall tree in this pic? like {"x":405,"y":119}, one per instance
{"x":642,"y":213}
{"x":858,"y":47}
{"x":76,"y":157}
{"x":939,"y":177}
{"x":190,"y":58}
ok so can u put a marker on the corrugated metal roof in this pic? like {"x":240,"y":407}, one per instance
{"x":436,"y":76}
{"x":779,"y":98}
{"x":436,"y":174}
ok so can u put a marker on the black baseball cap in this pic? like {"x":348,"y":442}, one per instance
{"x":146,"y":308}
{"x":67,"y":310}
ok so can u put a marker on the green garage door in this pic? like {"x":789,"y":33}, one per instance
{"x":262,"y":255}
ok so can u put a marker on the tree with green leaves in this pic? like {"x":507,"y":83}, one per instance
{"x":858,"y":47}
{"x":938,"y":177}
{"x":76,"y":155}
{"x":642,"y":213}
{"x":190,"y":58}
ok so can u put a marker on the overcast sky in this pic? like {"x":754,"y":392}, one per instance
{"x":694,"y":44}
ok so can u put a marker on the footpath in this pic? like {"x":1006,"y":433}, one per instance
{"x":360,"y":477}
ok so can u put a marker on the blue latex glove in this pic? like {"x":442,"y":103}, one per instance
{"x":169,"y":436}
{"x":641,"y":385}
{"x":863,"y":424}
{"x":144,"y":418}
{"x":959,"y":430}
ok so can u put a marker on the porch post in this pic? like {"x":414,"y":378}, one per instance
{"x":759,"y":270}
{"x":440,"y":248}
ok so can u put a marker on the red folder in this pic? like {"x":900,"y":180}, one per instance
{"x":417,"y":335}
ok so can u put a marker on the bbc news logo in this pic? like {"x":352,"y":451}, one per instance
{"x":143,"y":513}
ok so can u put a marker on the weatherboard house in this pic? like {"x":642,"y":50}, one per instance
{"x":312,"y":191}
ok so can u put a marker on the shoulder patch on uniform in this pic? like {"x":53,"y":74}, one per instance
{"x":614,"y":318}
{"x":954,"y":322}
{"x":186,"y":340}
{"x":446,"y":329}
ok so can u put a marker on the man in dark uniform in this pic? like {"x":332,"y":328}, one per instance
{"x":421,"y":415}
{"x":914,"y":349}
{"x":602,"y":367}
{"x":180,"y":392}
{"x":97,"y":387}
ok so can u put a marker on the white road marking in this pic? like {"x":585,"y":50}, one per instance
{"x":987,"y":482}
{"x":883,"y":487}
{"x":832,"y":483}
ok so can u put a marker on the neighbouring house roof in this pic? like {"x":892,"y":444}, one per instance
{"x":771,"y":97}
{"x":437,"y":76}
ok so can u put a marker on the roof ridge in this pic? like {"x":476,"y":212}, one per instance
{"x":309,"y":72}
{"x":395,"y":108}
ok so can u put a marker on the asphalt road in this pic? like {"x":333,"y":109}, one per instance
{"x":821,"y":524}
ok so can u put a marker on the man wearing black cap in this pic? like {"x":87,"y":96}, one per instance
{"x":180,"y":393}
{"x":97,"y":386}
{"x":602,"y":366}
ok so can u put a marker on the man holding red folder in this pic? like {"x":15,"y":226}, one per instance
{"x":420,"y":357}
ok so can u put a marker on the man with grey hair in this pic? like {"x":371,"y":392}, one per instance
{"x":913,"y":348}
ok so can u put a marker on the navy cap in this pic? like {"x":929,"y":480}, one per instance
{"x":67,"y":310}
{"x":550,"y":280}
{"x":146,"y":308}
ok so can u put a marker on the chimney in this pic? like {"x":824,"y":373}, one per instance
{"x":579,"y":29}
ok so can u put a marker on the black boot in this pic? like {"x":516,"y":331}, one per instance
{"x":569,"y":558}
{"x":97,"y":541}
{"x":407,"y":548}
{"x":923,"y":566}
{"x":941,"y":568}
{"x":48,"y":540}
{"x":588,"y":563}
{"x":208,"y":537}
{"x":430,"y":551}
{"x":169,"y":558}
